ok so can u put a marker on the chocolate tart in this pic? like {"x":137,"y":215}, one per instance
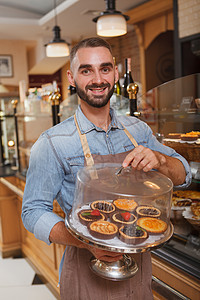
{"x":125,"y":204}
{"x":86,"y":217}
{"x":132,"y":234}
{"x":148,"y":211}
{"x":105,"y":207}
{"x":152,"y":225}
{"x":121,"y":218}
{"x":103,"y":229}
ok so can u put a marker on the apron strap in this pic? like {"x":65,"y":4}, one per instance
{"x":86,"y":149}
{"x":131,"y":138}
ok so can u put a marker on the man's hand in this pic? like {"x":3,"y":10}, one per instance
{"x":142,"y":158}
{"x":104,"y":255}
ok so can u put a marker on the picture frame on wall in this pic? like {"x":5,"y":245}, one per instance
{"x":6,"y":66}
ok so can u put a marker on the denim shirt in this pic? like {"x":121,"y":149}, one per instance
{"x":57,"y":156}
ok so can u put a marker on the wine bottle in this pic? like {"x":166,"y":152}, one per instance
{"x":127,"y":77}
{"x":72,"y":90}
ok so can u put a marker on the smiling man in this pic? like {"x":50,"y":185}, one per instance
{"x":93,"y":135}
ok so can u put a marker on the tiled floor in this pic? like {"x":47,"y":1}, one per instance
{"x":17,"y":281}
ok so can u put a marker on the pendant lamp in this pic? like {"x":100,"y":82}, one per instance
{"x":57,"y":47}
{"x":111,"y":22}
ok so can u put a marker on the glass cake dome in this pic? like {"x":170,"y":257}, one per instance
{"x":121,"y":209}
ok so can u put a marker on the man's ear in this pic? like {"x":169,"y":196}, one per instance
{"x":70,"y":77}
{"x":116,"y":74}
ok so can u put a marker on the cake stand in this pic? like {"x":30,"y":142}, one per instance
{"x":122,"y":269}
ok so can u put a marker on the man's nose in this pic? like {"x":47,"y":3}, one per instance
{"x":97,"y":78}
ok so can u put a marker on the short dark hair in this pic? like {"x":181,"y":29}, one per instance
{"x":89,"y":43}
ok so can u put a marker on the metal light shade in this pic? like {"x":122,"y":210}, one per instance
{"x":57,"y":47}
{"x":111,"y":22}
{"x":111,"y":25}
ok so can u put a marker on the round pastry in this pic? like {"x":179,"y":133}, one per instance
{"x":187,"y":137}
{"x":148,"y":211}
{"x":132,"y":234}
{"x":103,"y":229}
{"x":124,"y":217}
{"x":89,"y":215}
{"x":125,"y":204}
{"x":152,"y":225}
{"x":105,"y":207}
{"x":173,"y":136}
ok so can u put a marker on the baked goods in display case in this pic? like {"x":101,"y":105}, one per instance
{"x":192,"y":136}
{"x":187,"y":204}
{"x":127,"y":212}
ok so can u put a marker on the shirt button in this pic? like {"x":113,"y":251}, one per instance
{"x":87,"y":155}
{"x":106,"y":135}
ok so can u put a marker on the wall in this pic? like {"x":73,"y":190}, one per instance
{"x":189,"y":17}
{"x":19,"y":57}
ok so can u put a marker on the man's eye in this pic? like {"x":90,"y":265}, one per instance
{"x":105,"y":70}
{"x":85,"y":72}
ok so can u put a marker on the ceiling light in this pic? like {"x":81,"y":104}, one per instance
{"x":57,"y":47}
{"x":111,"y":22}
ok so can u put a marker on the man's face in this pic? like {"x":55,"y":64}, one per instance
{"x":94,"y":74}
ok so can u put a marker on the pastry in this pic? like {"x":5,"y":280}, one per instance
{"x":187,"y":137}
{"x":173,"y":136}
{"x":103,"y":229}
{"x":132,"y":234}
{"x":152,"y":225}
{"x":89,"y":215}
{"x":148,"y":211}
{"x":122,"y":218}
{"x":105,"y":207}
{"x":195,"y":208}
{"x":181,"y":202}
{"x":193,"y":195}
{"x":125,"y":204}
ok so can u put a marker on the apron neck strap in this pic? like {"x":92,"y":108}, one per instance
{"x":131,"y":138}
{"x":85,"y":146}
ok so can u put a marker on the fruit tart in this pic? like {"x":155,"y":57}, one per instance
{"x":132,"y":234}
{"x":125,"y":204}
{"x":102,"y":229}
{"x":122,"y":218}
{"x":88,"y":215}
{"x":148,"y":211}
{"x":152,"y":225}
{"x":105,"y":207}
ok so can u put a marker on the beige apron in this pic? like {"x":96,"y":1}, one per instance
{"x":78,"y":282}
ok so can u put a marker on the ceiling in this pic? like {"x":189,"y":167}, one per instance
{"x":32,"y":20}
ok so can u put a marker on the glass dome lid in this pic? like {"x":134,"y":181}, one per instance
{"x":126,"y":182}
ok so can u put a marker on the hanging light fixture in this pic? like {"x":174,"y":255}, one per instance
{"x":57,"y":47}
{"x":111,"y":22}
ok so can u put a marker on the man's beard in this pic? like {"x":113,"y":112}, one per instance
{"x":95,"y":100}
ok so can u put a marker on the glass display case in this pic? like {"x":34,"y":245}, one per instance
{"x":8,"y":150}
{"x":173,"y":112}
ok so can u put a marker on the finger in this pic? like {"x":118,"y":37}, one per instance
{"x":131,"y":156}
{"x":110,"y":258}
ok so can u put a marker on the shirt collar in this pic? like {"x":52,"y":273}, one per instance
{"x":85,"y":125}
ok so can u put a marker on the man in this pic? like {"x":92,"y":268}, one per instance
{"x":58,"y":155}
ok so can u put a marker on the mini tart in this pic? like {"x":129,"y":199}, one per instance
{"x":118,"y":219}
{"x":105,"y":207}
{"x":86,"y":217}
{"x":148,"y":211}
{"x":132,"y":234}
{"x":125,"y":204}
{"x":152,"y":225}
{"x":103,"y":229}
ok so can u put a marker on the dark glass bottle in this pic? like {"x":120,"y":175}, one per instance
{"x":127,"y":77}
